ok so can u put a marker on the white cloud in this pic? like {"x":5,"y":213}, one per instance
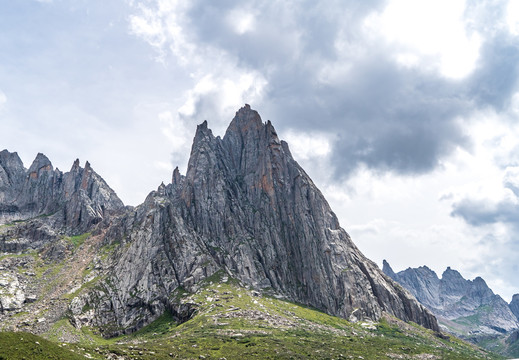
{"x":428,"y":34}
{"x":219,"y":84}
{"x":162,"y":27}
{"x":241,"y":20}
{"x":512,"y":16}
{"x":179,"y":135}
{"x":305,"y":146}
{"x":3,"y":100}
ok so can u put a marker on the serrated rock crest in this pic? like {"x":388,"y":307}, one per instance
{"x":247,"y":208}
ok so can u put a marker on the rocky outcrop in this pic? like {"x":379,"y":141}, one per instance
{"x":514,"y":305}
{"x":247,"y":209}
{"x":75,"y":200}
{"x":422,"y":282}
{"x":12,"y":295}
{"x":452,"y":298}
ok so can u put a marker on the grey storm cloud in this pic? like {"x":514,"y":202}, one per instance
{"x":496,"y":79}
{"x":383,"y":115}
{"x":480,"y":212}
{"x":503,"y":249}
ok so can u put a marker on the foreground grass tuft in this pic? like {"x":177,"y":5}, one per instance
{"x":20,"y":345}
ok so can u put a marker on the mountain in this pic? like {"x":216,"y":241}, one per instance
{"x":40,"y":208}
{"x":466,"y":308}
{"x":247,"y":208}
{"x":77,"y":200}
{"x":74,"y":257}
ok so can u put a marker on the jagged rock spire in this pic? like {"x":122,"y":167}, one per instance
{"x":386,"y":268}
{"x":176,"y":177}
{"x":247,"y":207}
{"x":78,"y":199}
{"x":40,"y":164}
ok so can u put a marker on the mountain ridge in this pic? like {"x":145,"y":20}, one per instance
{"x":466,"y":308}
{"x":81,"y":196}
{"x":244,"y":207}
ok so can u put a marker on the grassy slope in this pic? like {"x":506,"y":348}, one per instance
{"x":235,"y":323}
{"x":231,"y":322}
{"x":19,"y":345}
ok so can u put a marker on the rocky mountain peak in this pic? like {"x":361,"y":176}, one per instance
{"x":161,"y":190}
{"x":246,"y":122}
{"x":247,"y":208}
{"x":452,"y":297}
{"x":386,"y":268}
{"x":176,"y":178}
{"x":75,"y":166}
{"x":10,"y":160}
{"x":514,"y":305}
{"x":422,"y":282}
{"x":11,"y":170}
{"x":202,"y":132}
{"x":40,"y":164}
{"x":453,"y":283}
{"x":76,"y":200}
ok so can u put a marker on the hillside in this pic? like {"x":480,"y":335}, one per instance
{"x":235,"y":322}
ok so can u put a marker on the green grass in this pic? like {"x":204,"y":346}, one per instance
{"x":233,"y":322}
{"x":109,"y":249}
{"x":87,"y":285}
{"x":163,"y":325}
{"x":31,"y":253}
{"x":77,"y":240}
{"x":19,"y":345}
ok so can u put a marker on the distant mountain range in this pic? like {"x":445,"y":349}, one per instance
{"x":466,"y":308}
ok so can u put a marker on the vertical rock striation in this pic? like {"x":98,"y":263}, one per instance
{"x":247,"y":208}
{"x":244,"y":209}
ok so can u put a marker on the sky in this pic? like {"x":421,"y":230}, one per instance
{"x":404,"y":112}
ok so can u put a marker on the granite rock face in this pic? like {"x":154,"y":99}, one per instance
{"x":453,"y":299}
{"x":514,"y":305}
{"x":245,"y":208}
{"x":76,"y":200}
{"x":12,"y":295}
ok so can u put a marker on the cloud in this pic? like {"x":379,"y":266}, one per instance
{"x":491,"y":197}
{"x":392,"y":96}
{"x":481,"y":211}
{"x":412,"y":27}
{"x":305,"y":146}
{"x":3,"y":100}
{"x":219,"y":84}
{"x":512,"y":17}
{"x":487,"y":199}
